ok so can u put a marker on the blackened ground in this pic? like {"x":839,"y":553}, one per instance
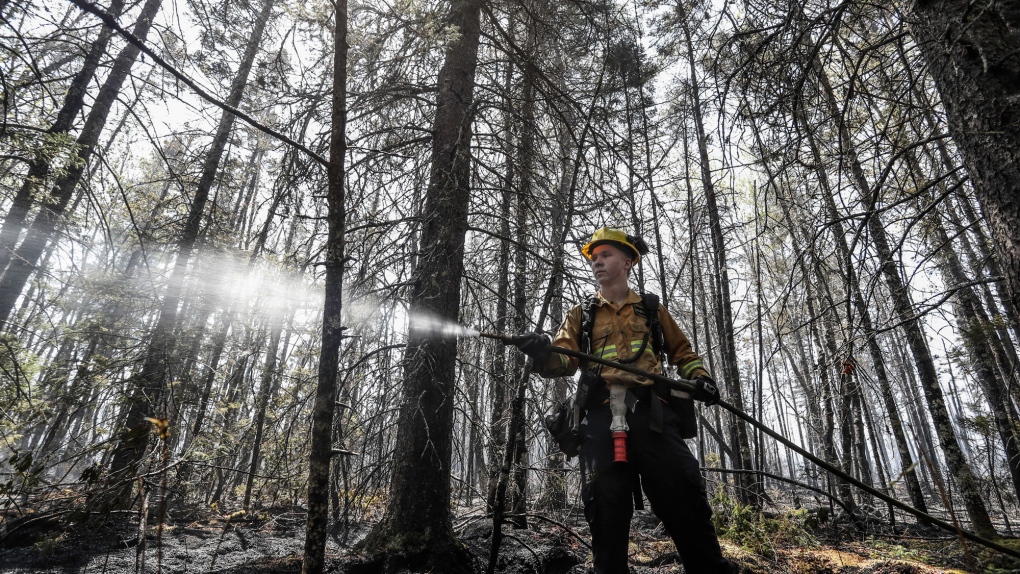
{"x":271,"y":541}
{"x":213,"y":543}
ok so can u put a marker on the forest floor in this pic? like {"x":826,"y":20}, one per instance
{"x":271,"y":541}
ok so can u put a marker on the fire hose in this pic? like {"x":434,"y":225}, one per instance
{"x":688,"y":386}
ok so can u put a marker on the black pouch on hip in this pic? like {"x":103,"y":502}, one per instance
{"x":560,"y":425}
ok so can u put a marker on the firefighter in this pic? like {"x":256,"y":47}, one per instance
{"x":615,"y":402}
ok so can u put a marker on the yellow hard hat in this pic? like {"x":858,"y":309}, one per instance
{"x":616,"y":238}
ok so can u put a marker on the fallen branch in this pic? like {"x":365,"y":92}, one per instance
{"x":560,"y":524}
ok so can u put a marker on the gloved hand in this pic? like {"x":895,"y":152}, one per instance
{"x":534,"y":345}
{"x":705,"y":390}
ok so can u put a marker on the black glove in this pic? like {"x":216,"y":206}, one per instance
{"x":705,"y":390}
{"x":534,"y":345}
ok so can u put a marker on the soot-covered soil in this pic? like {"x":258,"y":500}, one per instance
{"x":271,"y":541}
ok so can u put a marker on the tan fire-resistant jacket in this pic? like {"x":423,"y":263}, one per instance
{"x":617,"y":334}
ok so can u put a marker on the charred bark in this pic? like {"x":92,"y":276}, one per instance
{"x":417,"y":529}
{"x":25,"y":258}
{"x":320,"y":454}
{"x":146,"y":395}
{"x":974,"y":57}
{"x":500,"y":387}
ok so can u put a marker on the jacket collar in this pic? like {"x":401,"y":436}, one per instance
{"x":631,"y":297}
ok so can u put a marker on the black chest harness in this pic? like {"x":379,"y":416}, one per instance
{"x":565,"y":420}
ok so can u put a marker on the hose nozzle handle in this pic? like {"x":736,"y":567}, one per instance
{"x":619,"y":446}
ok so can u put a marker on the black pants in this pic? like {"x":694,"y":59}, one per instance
{"x":671,"y":479}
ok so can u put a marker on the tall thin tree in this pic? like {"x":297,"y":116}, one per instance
{"x":417,"y":528}
{"x":320,"y":455}
{"x":145,"y":398}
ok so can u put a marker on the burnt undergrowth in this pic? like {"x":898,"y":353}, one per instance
{"x":270,"y":540}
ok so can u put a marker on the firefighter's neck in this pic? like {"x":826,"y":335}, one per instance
{"x":616,"y":291}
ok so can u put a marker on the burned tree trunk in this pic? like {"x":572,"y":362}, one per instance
{"x":321,"y":452}
{"x":146,"y":396}
{"x":417,"y":528}
{"x":555,"y":493}
{"x":973,"y":52}
{"x":525,"y":198}
{"x":500,"y":376}
{"x":23,"y":262}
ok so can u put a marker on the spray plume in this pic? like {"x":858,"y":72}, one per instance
{"x":436,"y":327}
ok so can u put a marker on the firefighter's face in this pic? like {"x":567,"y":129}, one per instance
{"x":609,"y":264}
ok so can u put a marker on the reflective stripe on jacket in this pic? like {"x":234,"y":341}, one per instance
{"x":617,"y":335}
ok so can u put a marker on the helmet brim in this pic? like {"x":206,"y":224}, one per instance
{"x":628,"y":250}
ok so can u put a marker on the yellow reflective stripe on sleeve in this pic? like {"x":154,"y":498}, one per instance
{"x":687,"y":369}
{"x":562,"y":368}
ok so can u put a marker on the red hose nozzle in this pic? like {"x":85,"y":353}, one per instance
{"x":619,"y":446}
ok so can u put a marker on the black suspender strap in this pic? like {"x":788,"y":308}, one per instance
{"x":651,"y":304}
{"x":588,"y":378}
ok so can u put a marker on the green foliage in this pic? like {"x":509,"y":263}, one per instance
{"x":712,"y":459}
{"x":896,"y":551}
{"x":17,"y":368}
{"x":758,"y":533}
{"x":23,"y":473}
{"x":994,"y":562}
{"x":49,"y":546}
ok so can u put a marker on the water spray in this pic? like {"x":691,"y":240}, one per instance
{"x":437,"y":327}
